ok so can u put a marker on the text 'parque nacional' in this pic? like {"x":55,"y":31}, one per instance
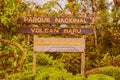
{"x":56,"y":20}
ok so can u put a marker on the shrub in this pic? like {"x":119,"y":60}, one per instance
{"x":26,"y":75}
{"x":71,"y":62}
{"x":46,"y":69}
{"x":110,"y":71}
{"x":99,"y":77}
{"x":49,"y":69}
{"x":52,"y":73}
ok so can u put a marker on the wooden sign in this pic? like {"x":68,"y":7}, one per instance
{"x":40,"y":30}
{"x":56,"y":20}
{"x":59,"y":44}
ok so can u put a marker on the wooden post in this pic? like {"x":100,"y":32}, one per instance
{"x":34,"y":59}
{"x":28,"y":39}
{"x":95,"y":35}
{"x":0,"y":42}
{"x":83,"y":59}
{"x":34,"y":62}
{"x":0,"y":36}
{"x":83,"y":63}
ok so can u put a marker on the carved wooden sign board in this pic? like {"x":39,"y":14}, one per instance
{"x":41,"y":30}
{"x":56,"y":20}
{"x":59,"y":44}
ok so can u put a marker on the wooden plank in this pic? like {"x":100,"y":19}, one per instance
{"x":83,"y":59}
{"x":34,"y":62}
{"x":56,"y":20}
{"x":0,"y":39}
{"x":59,"y":44}
{"x":0,"y":36}
{"x":40,"y":30}
{"x":83,"y":63}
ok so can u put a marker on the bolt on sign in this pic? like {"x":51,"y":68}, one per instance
{"x":59,"y":44}
{"x":40,"y":30}
{"x":56,"y":20}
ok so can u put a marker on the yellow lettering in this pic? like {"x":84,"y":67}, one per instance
{"x":65,"y":31}
{"x":75,"y":30}
{"x":43,"y":20}
{"x":48,"y":20}
{"x":62,"y":20}
{"x":72,"y":20}
{"x":76,"y":20}
{"x":57,"y":20}
{"x":37,"y":30}
{"x":46,"y":30}
{"x":84,"y":21}
{"x":38,"y":19}
{"x":79,"y":31}
{"x":51,"y":31}
{"x":33,"y":30}
{"x":30,"y":19}
{"x":35,"y":19}
{"x":70,"y":31}
{"x":66,"y":20}
{"x":56,"y":31}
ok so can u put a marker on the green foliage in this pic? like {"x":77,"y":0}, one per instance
{"x":12,"y":56}
{"x":99,"y":77}
{"x":8,"y":9}
{"x":47,"y":7}
{"x":110,"y":71}
{"x":48,"y":69}
{"x":26,"y":75}
{"x":51,"y":73}
{"x":73,"y":7}
{"x":45,"y":72}
{"x":4,"y":20}
{"x":72,"y":62}
{"x":23,"y":6}
{"x":47,"y":60}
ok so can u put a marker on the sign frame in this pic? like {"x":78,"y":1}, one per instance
{"x":58,"y":20}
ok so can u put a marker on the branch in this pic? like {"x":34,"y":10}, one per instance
{"x":24,"y":52}
{"x":60,"y":6}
